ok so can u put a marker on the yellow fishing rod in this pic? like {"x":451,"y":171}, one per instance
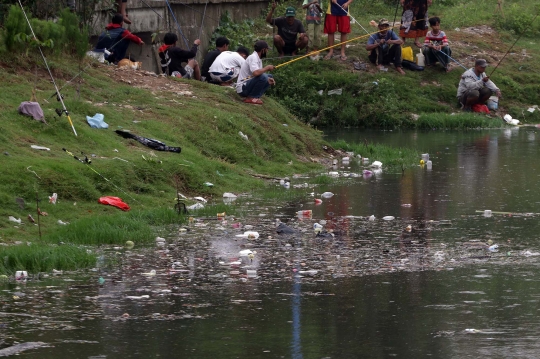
{"x":335,"y":45}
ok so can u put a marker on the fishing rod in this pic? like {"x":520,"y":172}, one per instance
{"x":519,"y":37}
{"x":70,"y":81}
{"x":202,"y":20}
{"x":151,"y":8}
{"x":50,"y":73}
{"x":177,"y":24}
{"x":356,"y":21}
{"x":86,"y":161}
{"x":326,"y":48}
{"x":395,"y":15}
{"x":456,"y":61}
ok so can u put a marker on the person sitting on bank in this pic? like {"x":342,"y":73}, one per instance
{"x":291,"y":35}
{"x":385,"y":47}
{"x":475,"y":87}
{"x":227,"y":66}
{"x":436,"y":46}
{"x":222,"y":44}
{"x":114,"y":41}
{"x":172,"y":58}
{"x":253,"y":80}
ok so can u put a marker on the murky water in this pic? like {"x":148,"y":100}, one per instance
{"x":373,"y":290}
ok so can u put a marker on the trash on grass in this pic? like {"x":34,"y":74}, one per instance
{"x":53,"y":198}
{"x":335,"y":92}
{"x":115,"y":202}
{"x":97,"y":121}
{"x":249,"y":234}
{"x":13,"y":219}
{"x":196,"y":206}
{"x":40,"y":148}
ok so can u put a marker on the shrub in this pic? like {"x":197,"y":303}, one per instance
{"x":15,"y":24}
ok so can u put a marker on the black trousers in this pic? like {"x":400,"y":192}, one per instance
{"x":383,"y":55}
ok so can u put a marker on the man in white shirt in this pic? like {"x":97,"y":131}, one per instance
{"x":253,"y":81}
{"x":226,"y":66}
{"x":475,"y":87}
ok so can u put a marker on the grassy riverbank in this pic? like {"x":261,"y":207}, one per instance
{"x":420,"y":99}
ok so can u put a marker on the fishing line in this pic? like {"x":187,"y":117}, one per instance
{"x":395,"y":15}
{"x":519,"y":37}
{"x":202,"y":21}
{"x":456,"y":61}
{"x":50,"y":73}
{"x":151,"y":8}
{"x":356,"y":21}
{"x":177,"y":24}
{"x":87,"y":162}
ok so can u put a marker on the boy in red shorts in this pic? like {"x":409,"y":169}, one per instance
{"x":337,"y":19}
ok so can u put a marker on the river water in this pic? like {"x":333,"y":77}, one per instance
{"x":455,"y":284}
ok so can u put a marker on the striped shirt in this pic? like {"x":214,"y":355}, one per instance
{"x":439,"y":39}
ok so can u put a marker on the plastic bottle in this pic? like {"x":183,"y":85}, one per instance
{"x":429,"y":165}
{"x":420,"y":59}
{"x":305,"y":213}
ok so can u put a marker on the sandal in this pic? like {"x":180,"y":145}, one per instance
{"x":343,"y":58}
{"x":329,"y":56}
{"x":253,"y":101}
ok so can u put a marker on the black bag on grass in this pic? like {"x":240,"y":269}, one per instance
{"x":411,"y":66}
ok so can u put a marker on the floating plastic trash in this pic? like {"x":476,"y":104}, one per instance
{"x":150,"y":274}
{"x":307,"y":212}
{"x":327,"y":195}
{"x":509,"y":120}
{"x":494,"y":248}
{"x":246,"y":252}
{"x":345,"y":159}
{"x":229,"y":195}
{"x":487,"y":213}
{"x":196,"y":206}
{"x":251,"y":273}
{"x":371,"y":218}
{"x":129,"y":244}
{"x":425,"y":157}
{"x":21,"y":275}
{"x":333,"y":174}
{"x":376,"y":164}
{"x":388,"y":218}
{"x":429,"y":165}
{"x":249,"y":234}
{"x":318,"y":201}
{"x":365,"y":160}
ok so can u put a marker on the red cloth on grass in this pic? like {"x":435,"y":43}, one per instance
{"x":114,"y":201}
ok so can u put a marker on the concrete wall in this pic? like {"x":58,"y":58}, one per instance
{"x":189,"y":14}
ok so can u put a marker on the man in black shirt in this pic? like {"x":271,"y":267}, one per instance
{"x":222,"y":44}
{"x":289,"y":28}
{"x":172,"y":58}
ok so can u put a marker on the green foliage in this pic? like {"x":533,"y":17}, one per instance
{"x":36,"y":258}
{"x":392,"y":158}
{"x":457,"y":122}
{"x":15,"y":24}
{"x":518,"y":20}
{"x":76,"y":39}
{"x":238,"y":33}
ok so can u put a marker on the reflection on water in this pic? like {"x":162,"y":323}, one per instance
{"x":377,"y":289}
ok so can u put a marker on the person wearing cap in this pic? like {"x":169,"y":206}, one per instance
{"x":114,"y":41}
{"x":227,"y":66}
{"x":337,"y":19}
{"x":313,"y":20}
{"x":172,"y":58}
{"x":253,"y":80}
{"x":291,"y":35}
{"x":385,"y":47}
{"x":475,"y":87}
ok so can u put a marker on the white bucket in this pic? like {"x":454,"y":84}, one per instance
{"x":493,"y":103}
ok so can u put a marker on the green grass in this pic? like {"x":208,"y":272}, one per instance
{"x":392,"y":158}
{"x":36,"y":258}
